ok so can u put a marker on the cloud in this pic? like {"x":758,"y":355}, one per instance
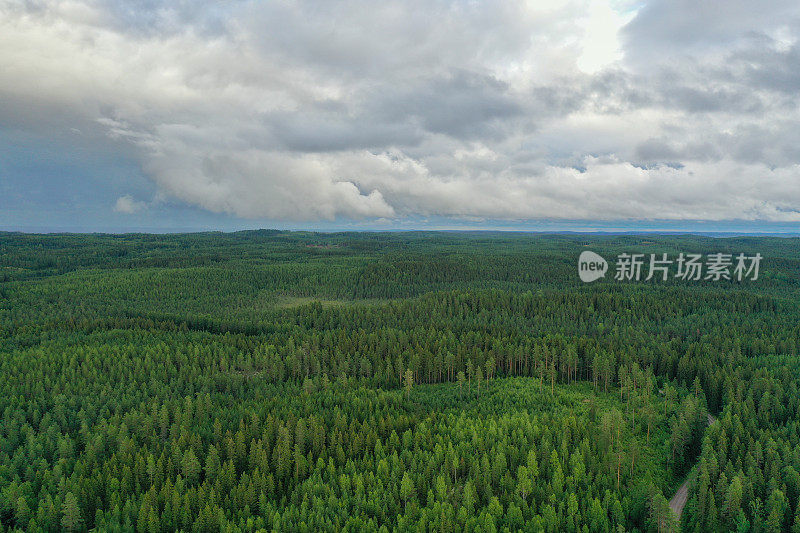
{"x":127,"y":205}
{"x":253,"y":183}
{"x":579,"y":109}
{"x":686,"y":27}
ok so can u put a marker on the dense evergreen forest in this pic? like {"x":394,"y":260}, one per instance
{"x":290,"y":381}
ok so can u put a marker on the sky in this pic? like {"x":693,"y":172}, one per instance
{"x":585,"y":115}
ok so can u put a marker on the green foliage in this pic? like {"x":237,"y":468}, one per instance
{"x":299,"y":381}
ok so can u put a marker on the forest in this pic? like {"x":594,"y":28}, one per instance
{"x":420,"y":381}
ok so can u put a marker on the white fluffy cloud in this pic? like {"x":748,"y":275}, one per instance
{"x":286,"y":110}
{"x":128,"y":205}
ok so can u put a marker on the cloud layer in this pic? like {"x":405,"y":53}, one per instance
{"x":352,"y":109}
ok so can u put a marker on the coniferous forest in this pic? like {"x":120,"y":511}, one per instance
{"x":293,"y":381}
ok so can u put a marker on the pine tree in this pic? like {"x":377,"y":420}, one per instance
{"x":406,"y":488}
{"x":733,"y":499}
{"x":22,"y":512}
{"x":796,"y":520}
{"x":191,"y":466}
{"x":72,"y":513}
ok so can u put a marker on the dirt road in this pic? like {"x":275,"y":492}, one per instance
{"x":678,"y":502}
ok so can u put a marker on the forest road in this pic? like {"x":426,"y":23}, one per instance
{"x":678,"y":501}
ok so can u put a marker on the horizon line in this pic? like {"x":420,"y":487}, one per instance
{"x":589,"y":231}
